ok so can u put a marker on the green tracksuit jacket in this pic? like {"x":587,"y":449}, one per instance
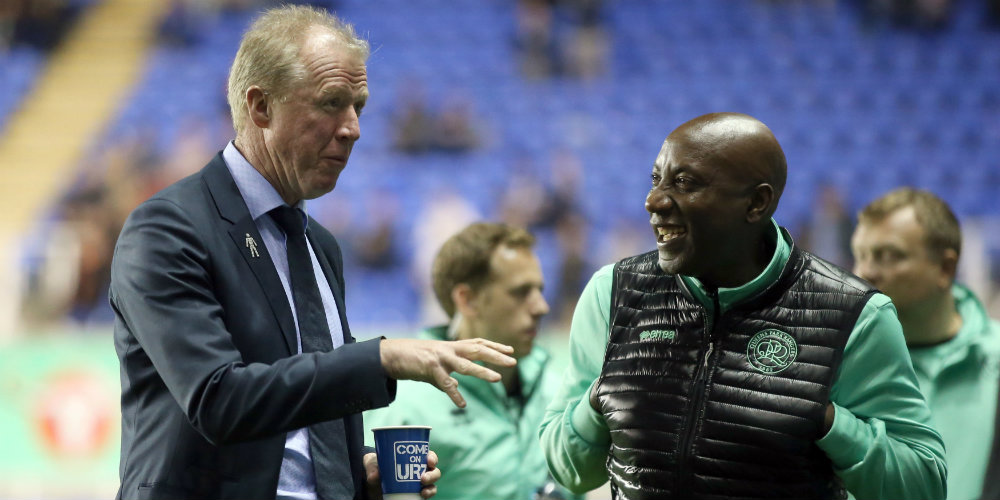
{"x":882,"y":444}
{"x":488,"y":450}
{"x":959,"y":379}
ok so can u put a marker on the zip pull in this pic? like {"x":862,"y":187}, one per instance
{"x":708,"y":354}
{"x":713,"y":293}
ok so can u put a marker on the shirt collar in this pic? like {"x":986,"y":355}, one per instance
{"x":258,"y":193}
{"x":731,"y":296}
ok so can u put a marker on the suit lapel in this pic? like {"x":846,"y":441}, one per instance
{"x":232,"y":208}
{"x":333,"y":278}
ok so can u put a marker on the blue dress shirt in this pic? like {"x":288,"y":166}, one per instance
{"x":297,"y":479}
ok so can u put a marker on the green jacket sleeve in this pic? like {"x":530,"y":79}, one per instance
{"x":881,"y":443}
{"x":574,"y":437}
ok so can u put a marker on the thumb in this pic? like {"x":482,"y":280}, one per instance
{"x":372,"y":476}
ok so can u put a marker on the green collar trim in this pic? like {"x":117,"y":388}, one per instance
{"x":729,"y":297}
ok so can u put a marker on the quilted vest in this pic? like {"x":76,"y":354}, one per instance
{"x":702,"y":406}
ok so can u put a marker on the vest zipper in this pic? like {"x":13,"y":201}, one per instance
{"x":694,"y":414}
{"x":698,"y":391}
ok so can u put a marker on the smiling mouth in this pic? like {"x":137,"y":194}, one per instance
{"x":668,"y":233}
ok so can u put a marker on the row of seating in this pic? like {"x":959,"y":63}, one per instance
{"x":19,"y":69}
{"x":855,"y":103}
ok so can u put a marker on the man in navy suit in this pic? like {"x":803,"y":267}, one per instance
{"x":224,"y":394}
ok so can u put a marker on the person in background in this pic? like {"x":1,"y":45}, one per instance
{"x":489,"y":282}
{"x":907,"y":244}
{"x":240,"y":377}
{"x":728,"y":362}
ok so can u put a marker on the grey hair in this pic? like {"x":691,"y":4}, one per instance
{"x":268,"y":56}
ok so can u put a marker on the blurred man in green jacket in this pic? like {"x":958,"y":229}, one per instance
{"x":489,"y":282}
{"x":729,"y":363}
{"x":907,"y":243}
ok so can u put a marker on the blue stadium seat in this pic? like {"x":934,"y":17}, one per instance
{"x":866,"y":110}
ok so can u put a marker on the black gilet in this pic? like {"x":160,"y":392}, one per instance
{"x":726,"y":407}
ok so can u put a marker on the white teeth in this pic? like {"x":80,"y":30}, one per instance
{"x":666,"y":233}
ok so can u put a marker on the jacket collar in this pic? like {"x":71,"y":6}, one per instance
{"x":977,"y":338}
{"x":233,"y":209}
{"x":776,"y":268}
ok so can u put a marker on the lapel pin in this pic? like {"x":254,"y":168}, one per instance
{"x":252,"y":245}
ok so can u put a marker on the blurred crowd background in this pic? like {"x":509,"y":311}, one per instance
{"x":542,"y":113}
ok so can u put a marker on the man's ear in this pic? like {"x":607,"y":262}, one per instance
{"x":259,"y":106}
{"x":463,"y":297}
{"x":949,"y":267}
{"x":761,"y":199}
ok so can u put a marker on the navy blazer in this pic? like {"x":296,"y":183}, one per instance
{"x":206,"y":342}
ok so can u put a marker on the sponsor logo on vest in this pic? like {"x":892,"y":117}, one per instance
{"x":653,"y":335}
{"x":771,"y":351}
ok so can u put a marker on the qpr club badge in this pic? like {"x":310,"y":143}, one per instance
{"x":771,"y":351}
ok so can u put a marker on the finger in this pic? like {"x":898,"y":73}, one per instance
{"x":447,"y":384}
{"x":430,"y":477}
{"x":371,"y":468}
{"x":432,"y":459}
{"x":428,"y":491}
{"x":370,"y":459}
{"x":496,"y":346}
{"x":477,"y":352}
{"x":488,"y":351}
{"x":456,"y":397}
{"x":466,"y":367}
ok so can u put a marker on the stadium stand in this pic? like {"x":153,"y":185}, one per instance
{"x":862,"y":108}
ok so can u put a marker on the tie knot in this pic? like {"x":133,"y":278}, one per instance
{"x":289,"y":219}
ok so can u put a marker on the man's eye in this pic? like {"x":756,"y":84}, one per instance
{"x":522,"y":292}
{"x":887,"y":256}
{"x":683,"y":183}
{"x":655,"y":178}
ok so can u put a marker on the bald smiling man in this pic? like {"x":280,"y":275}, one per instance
{"x":729,"y":363}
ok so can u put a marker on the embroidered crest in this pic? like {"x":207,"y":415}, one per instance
{"x":771,"y":351}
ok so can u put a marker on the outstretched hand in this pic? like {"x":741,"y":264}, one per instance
{"x":433,"y":361}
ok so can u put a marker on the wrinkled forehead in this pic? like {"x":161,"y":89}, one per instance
{"x":333,"y":68}
{"x":678,"y":150}
{"x":671,"y":148}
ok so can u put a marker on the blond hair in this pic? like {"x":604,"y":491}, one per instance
{"x":268,"y":56}
{"x":465,"y":258}
{"x":941,"y":228}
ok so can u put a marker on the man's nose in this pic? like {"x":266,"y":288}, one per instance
{"x":658,"y":201}
{"x":540,"y":307}
{"x":350,"y":129}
